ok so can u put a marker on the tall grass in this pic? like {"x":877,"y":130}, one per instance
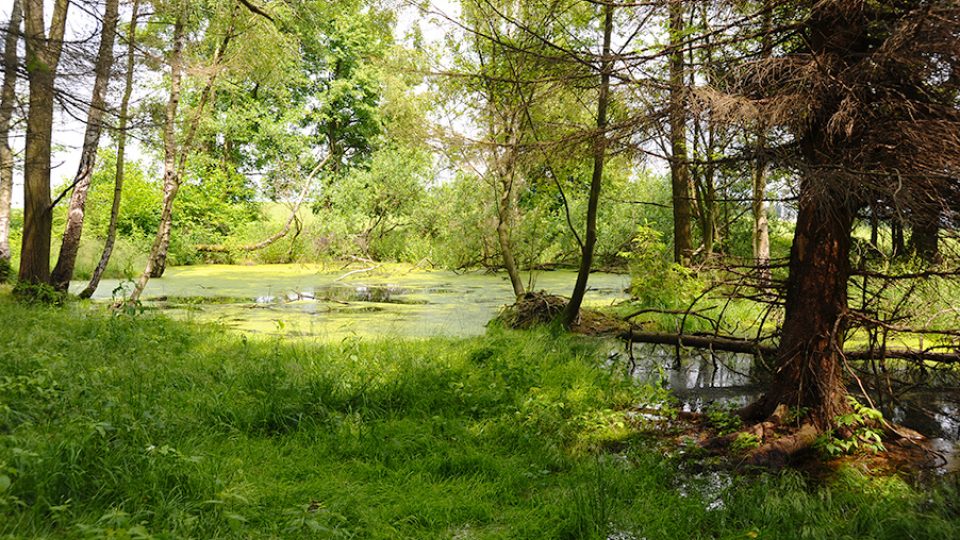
{"x":117,"y":427}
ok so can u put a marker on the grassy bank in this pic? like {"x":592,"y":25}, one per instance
{"x":144,"y":427}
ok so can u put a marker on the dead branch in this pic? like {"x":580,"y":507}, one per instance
{"x":746,"y":346}
{"x":221,"y":248}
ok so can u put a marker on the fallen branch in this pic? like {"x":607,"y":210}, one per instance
{"x":717,"y":343}
{"x":350,"y":273}
{"x":221,"y":248}
{"x":746,"y":346}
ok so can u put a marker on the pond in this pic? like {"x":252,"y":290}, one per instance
{"x":331,"y":302}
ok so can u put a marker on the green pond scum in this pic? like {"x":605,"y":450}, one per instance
{"x":114,"y":426}
{"x":335,"y":301}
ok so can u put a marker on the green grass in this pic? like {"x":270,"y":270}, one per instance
{"x":118,"y":427}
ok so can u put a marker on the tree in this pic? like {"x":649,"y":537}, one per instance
{"x":121,"y":153}
{"x":43,"y":56}
{"x":679,"y":168}
{"x":761,"y":225}
{"x":63,"y":271}
{"x":572,"y":311}
{"x":868,"y":91}
{"x":500,"y":80}
{"x":7,"y":98}
{"x":171,"y":174}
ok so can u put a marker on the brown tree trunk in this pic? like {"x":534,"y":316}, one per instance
{"x":171,"y":180}
{"x":898,"y":247}
{"x":925,"y":239}
{"x":66,"y":261}
{"x":572,"y":312}
{"x":679,"y":168}
{"x":121,"y":155}
{"x":43,"y":56}
{"x":808,"y":371}
{"x":7,"y":98}
{"x":506,"y":249}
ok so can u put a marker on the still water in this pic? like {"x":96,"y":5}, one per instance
{"x":333,"y":301}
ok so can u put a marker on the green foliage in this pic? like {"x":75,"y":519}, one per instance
{"x":132,"y":427}
{"x":656,"y":281}
{"x":214,"y":200}
{"x":863,"y":423}
{"x":139,"y":206}
{"x":723,"y":420}
{"x":744,"y":442}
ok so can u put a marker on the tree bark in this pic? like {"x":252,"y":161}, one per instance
{"x":43,"y":56}
{"x":572,"y":311}
{"x":66,"y":261}
{"x":925,"y":239}
{"x":761,"y":227}
{"x":506,"y":249}
{"x":808,"y":371}
{"x":158,"y":258}
{"x":171,"y":180}
{"x":121,"y":156}
{"x":898,"y":247}
{"x":506,"y":171}
{"x":679,"y":168}
{"x":7,"y":98}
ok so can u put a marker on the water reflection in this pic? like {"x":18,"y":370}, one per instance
{"x":703,"y":379}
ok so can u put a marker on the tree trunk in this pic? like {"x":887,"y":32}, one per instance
{"x":708,"y":215}
{"x":761,"y":227}
{"x":679,"y":168}
{"x":898,"y":246}
{"x":7,"y":98}
{"x":505,"y":209}
{"x":121,"y":156}
{"x":808,"y":371}
{"x":572,"y":311}
{"x":506,"y":250}
{"x":43,"y":56}
{"x":158,"y":259}
{"x":171,"y":180}
{"x":66,"y":261}
{"x":925,"y":239}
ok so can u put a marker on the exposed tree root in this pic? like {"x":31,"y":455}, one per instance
{"x":782,"y":443}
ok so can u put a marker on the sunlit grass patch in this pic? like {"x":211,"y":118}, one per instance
{"x":146,"y":427}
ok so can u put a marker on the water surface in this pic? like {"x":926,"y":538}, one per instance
{"x":336,"y":301}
